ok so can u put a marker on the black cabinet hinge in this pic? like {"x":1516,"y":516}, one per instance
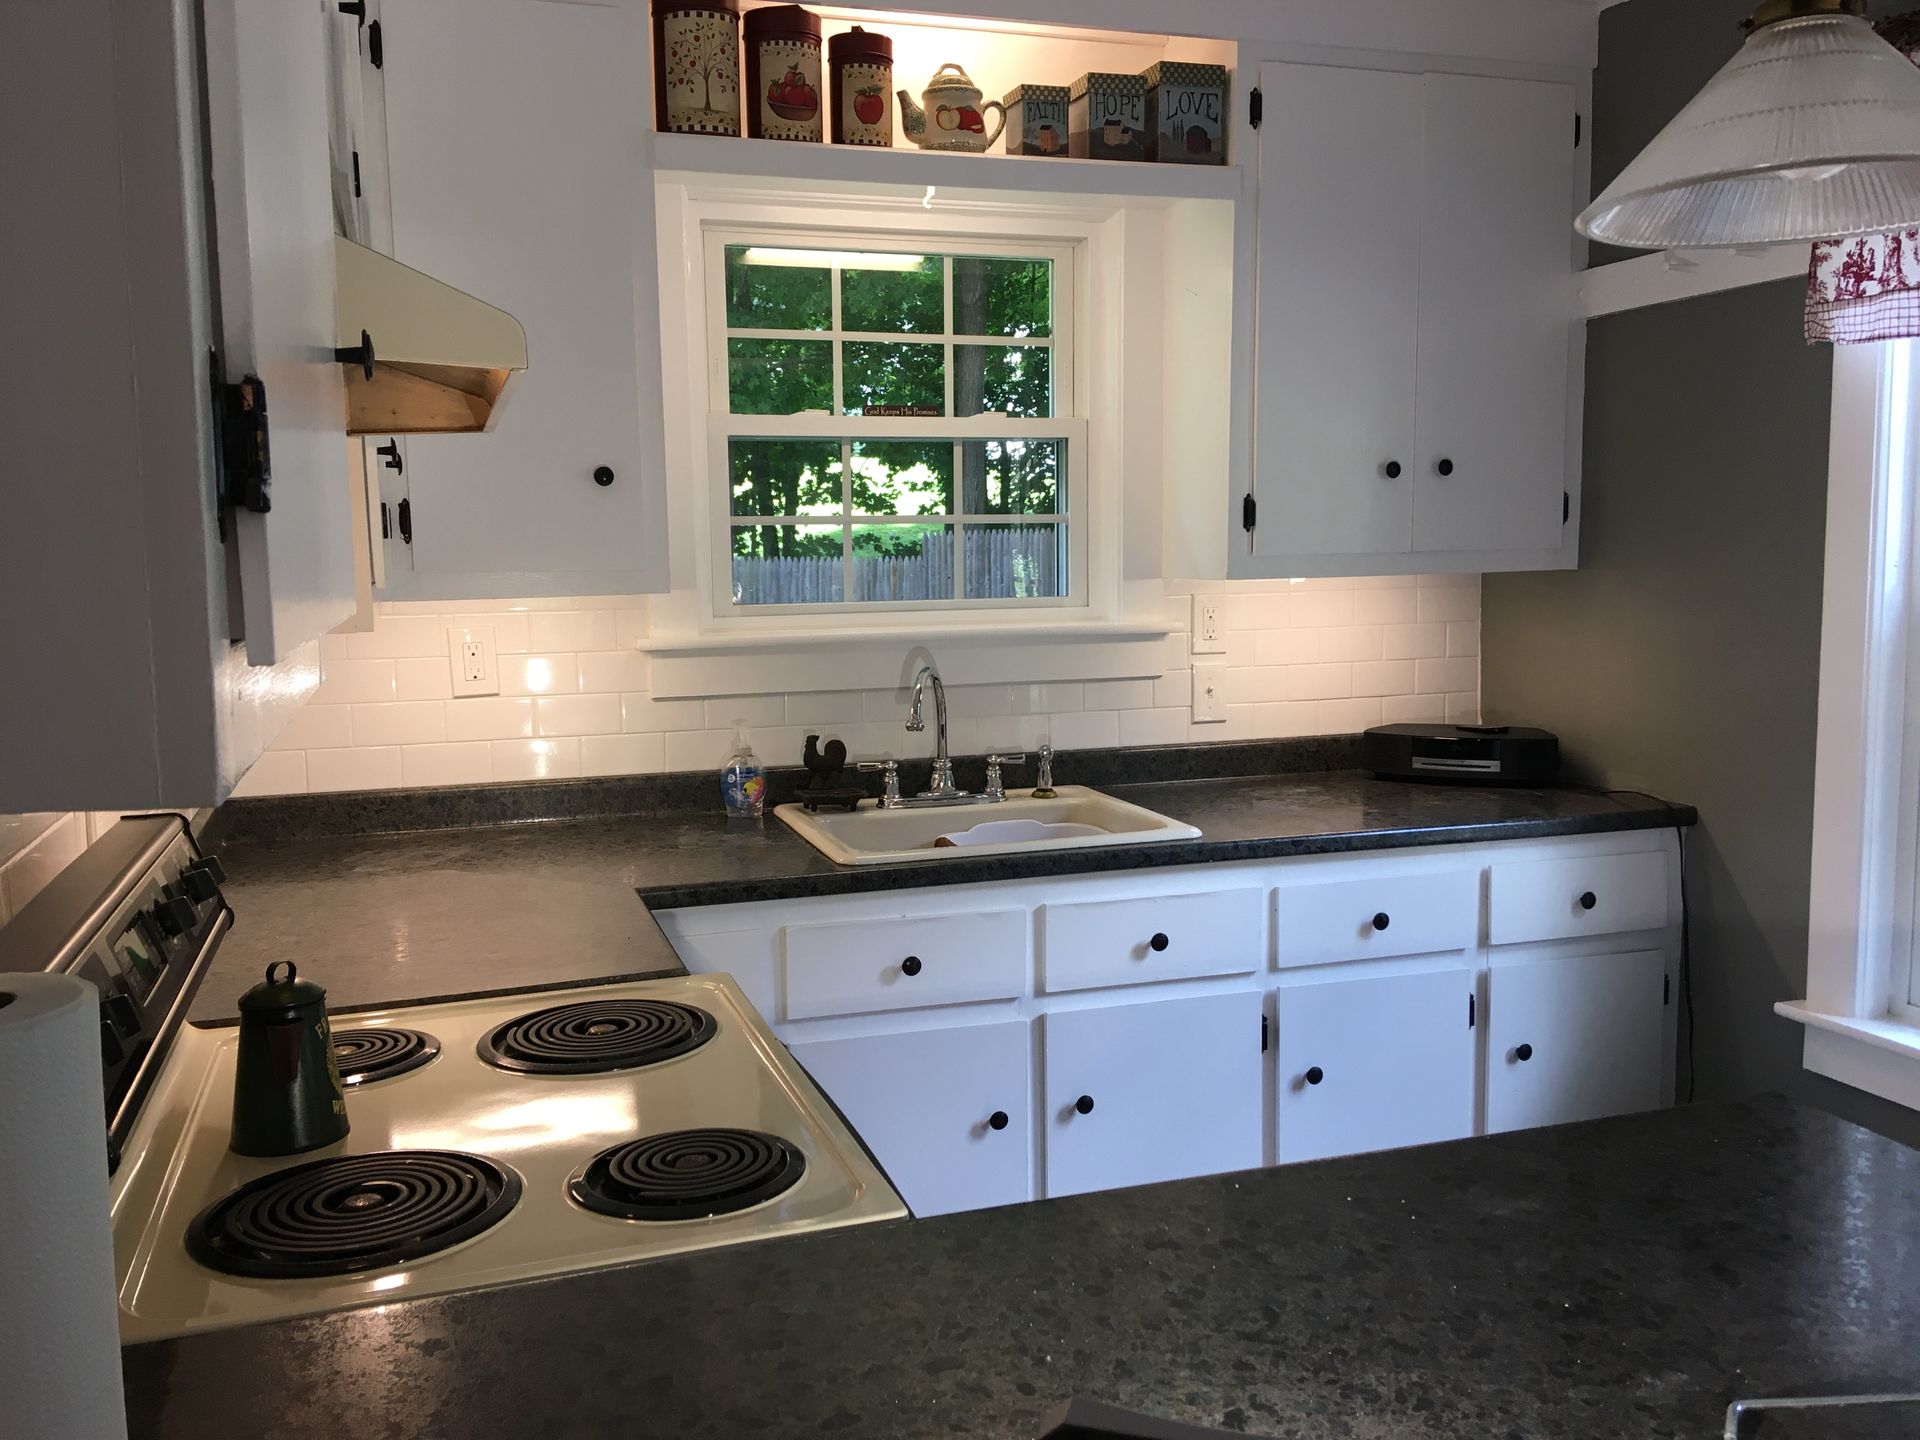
{"x":1566,"y":506}
{"x":1470,"y":1000}
{"x":1263,"y":1034}
{"x":1256,"y":105}
{"x":1248,"y":510}
{"x":376,"y":45}
{"x":405,"y":514}
{"x":386,"y":522}
{"x":1576,"y":129}
{"x":1666,"y":989}
{"x":356,"y":174}
{"x":243,"y":458}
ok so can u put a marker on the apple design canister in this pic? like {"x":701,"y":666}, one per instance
{"x":783,"y":74}
{"x":862,"y":65}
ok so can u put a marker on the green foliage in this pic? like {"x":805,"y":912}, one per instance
{"x":895,"y":301}
{"x":902,"y":477}
{"x":878,"y":373}
{"x":779,"y":377}
{"x":777,"y":297}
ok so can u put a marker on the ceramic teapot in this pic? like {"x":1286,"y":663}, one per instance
{"x":952,"y":119}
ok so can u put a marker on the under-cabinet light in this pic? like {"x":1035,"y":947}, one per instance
{"x":843,"y":259}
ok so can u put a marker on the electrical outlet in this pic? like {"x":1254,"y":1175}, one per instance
{"x":475,"y":661}
{"x":1209,"y":699}
{"x":1208,"y":637}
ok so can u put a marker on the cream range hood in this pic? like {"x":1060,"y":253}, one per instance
{"x":421,"y":358}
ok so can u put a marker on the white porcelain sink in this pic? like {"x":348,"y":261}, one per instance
{"x":1076,"y":818}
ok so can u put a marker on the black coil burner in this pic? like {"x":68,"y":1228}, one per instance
{"x":688,"y":1174}
{"x":595,"y":1036}
{"x":352,"y":1212}
{"x":371,"y":1054}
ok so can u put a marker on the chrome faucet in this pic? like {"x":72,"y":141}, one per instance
{"x":941,"y":790}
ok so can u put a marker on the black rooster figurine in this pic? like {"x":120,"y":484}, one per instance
{"x":826,"y":782}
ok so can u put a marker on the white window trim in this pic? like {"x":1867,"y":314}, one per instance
{"x":1867,"y":755}
{"x":1119,"y":633}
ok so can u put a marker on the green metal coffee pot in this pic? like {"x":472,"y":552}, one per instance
{"x":286,"y":1087}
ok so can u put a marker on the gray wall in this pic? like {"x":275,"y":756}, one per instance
{"x":1682,"y":658}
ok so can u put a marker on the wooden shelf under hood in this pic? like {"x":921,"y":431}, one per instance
{"x":441,"y":357}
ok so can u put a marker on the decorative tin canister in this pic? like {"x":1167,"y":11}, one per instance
{"x":696,"y":66}
{"x":1107,"y":117}
{"x":1187,"y":113}
{"x":1037,"y":120}
{"x":783,"y":74}
{"x":862,"y":65}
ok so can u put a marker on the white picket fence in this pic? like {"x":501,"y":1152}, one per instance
{"x":1000,"y":562}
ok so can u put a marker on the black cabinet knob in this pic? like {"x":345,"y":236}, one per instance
{"x":360,"y":355}
{"x":997,"y":1120}
{"x":1158,"y":942}
{"x":603,"y":475}
{"x":1084,"y":1104}
{"x":1315,"y":1075}
{"x":1381,"y":920}
{"x":1391,"y":469}
{"x":910,"y":965}
{"x":1588,"y":900}
{"x":389,"y":454}
{"x":1523,"y":1052}
{"x":1445,"y":467}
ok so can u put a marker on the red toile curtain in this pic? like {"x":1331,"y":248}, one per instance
{"x":1868,"y":288}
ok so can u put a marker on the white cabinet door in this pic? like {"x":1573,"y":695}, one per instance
{"x":267,"y":83}
{"x":1496,"y":281}
{"x":1158,"y":1090}
{"x":947,"y":1113}
{"x":1338,"y":269}
{"x":1574,"y":1039}
{"x":517,"y":154}
{"x":1373,"y":1064}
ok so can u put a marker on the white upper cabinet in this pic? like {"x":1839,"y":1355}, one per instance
{"x":516,"y":148}
{"x":1414,"y":262}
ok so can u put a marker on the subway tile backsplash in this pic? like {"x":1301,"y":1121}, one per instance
{"x":1309,"y":657}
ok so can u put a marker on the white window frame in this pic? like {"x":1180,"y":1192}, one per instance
{"x":1068,"y":423}
{"x":1861,"y":1028}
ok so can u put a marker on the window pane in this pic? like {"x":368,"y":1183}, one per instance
{"x":902,"y":562}
{"x":1002,"y":297}
{"x":779,"y":377}
{"x":787,"y":565}
{"x":783,"y":296}
{"x":1013,"y":477}
{"x":1016,"y":562}
{"x":1013,"y":379}
{"x":902,"y":477}
{"x":784,"y":477}
{"x":898,"y":379}
{"x":894,"y":301}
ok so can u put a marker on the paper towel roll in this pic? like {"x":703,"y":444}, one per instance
{"x":59,"y":1319}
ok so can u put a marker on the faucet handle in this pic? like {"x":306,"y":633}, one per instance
{"x":996,"y":786}
{"x":1019,"y":759}
{"x":890,"y":776}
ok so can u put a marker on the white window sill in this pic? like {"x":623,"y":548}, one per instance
{"x":970,"y":653}
{"x":1880,"y":1055}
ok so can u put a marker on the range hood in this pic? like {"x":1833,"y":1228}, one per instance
{"x":420,"y":357}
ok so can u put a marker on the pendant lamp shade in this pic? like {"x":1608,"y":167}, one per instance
{"x":1810,"y":132}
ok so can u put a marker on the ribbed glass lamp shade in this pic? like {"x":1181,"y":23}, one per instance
{"x":1811,"y":132}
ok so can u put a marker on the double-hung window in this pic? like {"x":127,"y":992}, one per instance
{"x":894,"y":424}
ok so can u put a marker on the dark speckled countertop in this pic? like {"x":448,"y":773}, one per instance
{"x":1619,"y":1280}
{"x":380,"y":919}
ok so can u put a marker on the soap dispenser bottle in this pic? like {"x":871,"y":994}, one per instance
{"x":743,"y":779}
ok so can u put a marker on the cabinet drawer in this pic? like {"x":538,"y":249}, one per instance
{"x":1158,"y":937}
{"x":1359,"y":919}
{"x":850,"y":967}
{"x":1565,"y":899}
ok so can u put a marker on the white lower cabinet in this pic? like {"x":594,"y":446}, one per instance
{"x":1373,"y":1064}
{"x":1574,"y":1038}
{"x":947,"y":1113}
{"x":1155,"y":1090}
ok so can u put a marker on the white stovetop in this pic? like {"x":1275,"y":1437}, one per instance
{"x":543,"y":1127}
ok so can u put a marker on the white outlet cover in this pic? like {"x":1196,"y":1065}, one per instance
{"x":486,"y":679}
{"x":1209,"y":694}
{"x":1208,"y":638}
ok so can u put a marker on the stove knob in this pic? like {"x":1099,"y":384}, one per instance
{"x":199,"y":885}
{"x":111,"y":1051}
{"x":174,"y":916}
{"x":209,"y":866}
{"x":119,"y":1008}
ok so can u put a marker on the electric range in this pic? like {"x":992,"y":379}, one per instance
{"x":493,"y":1140}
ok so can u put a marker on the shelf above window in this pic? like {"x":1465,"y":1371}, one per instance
{"x":791,"y":167}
